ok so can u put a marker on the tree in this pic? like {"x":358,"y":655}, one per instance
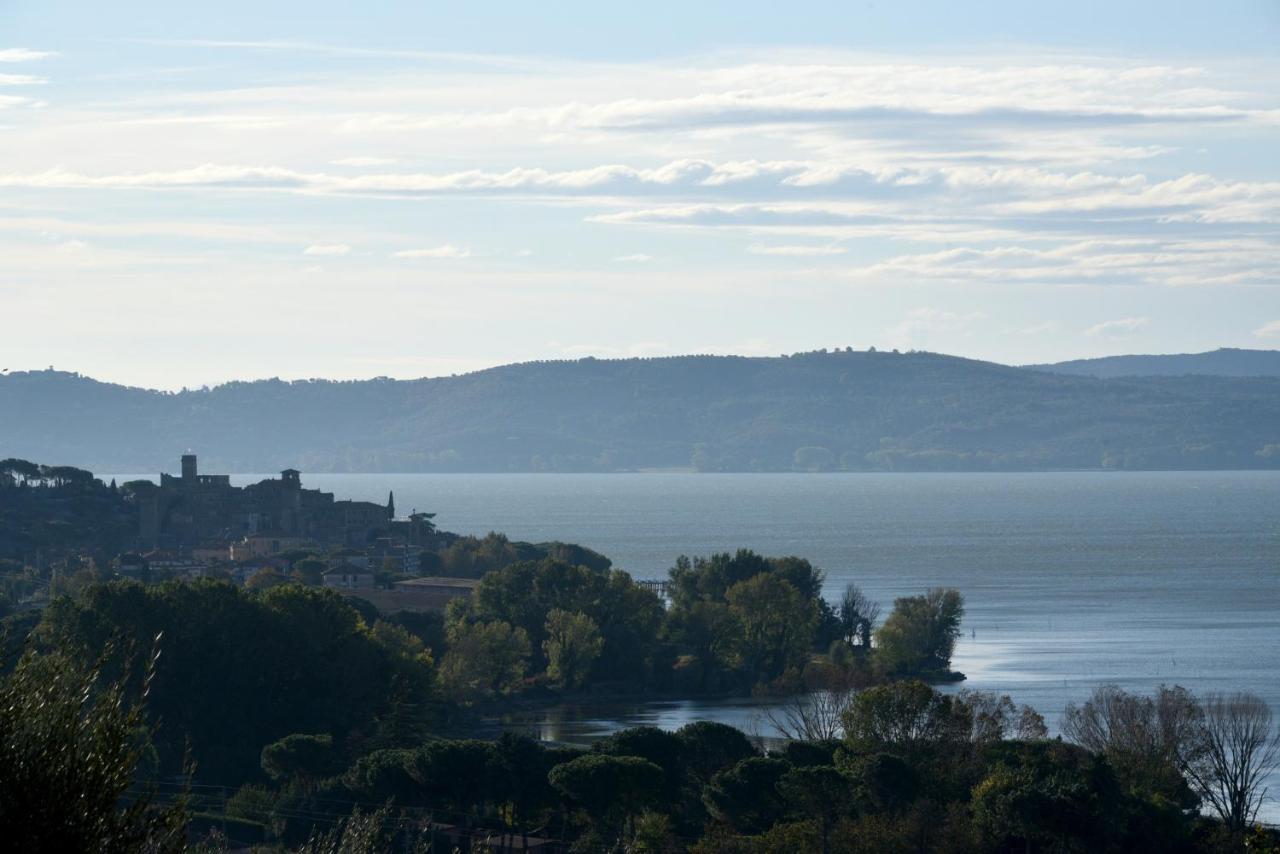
{"x":812,"y":715}
{"x":1051,"y":794}
{"x":746,"y":796}
{"x":920,"y":635}
{"x":1239,"y":751}
{"x":265,"y":579}
{"x":660,"y":747}
{"x":70,"y":745}
{"x":778,"y":624}
{"x":708,"y":747}
{"x":573,"y":644}
{"x":820,"y":793}
{"x":301,"y":758}
{"x":462,"y":773}
{"x":857,"y":614}
{"x":309,"y":571}
{"x":611,"y":790}
{"x":484,"y":660}
{"x":1150,"y":741}
{"x":905,"y":718}
{"x":996,"y":718}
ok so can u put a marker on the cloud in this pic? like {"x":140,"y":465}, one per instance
{"x":22,"y":54}
{"x":1112,"y":328}
{"x":21,"y":80}
{"x":363,"y":161}
{"x":327,"y":249}
{"x":798,"y":251}
{"x":637,"y":258}
{"x":1270,"y":329}
{"x":926,"y":320}
{"x":447,"y":251}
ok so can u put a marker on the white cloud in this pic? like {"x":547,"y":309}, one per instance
{"x":21,"y":80}
{"x":327,"y":249}
{"x":924,"y":321}
{"x":363,"y":161}
{"x":22,"y":54}
{"x":447,"y":251}
{"x":799,"y":251}
{"x":1123,"y":326}
{"x":1270,"y":329}
{"x":637,"y":258}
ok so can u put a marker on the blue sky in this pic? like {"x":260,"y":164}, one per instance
{"x":190,"y":194}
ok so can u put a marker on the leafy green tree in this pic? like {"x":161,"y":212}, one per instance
{"x":520,"y":767}
{"x":611,"y":790}
{"x":484,"y":660}
{"x":711,"y":633}
{"x":572,"y":645}
{"x":905,"y":718}
{"x":778,"y":624}
{"x":819,"y":793}
{"x":708,"y":747}
{"x":627,"y":615}
{"x":70,"y":745}
{"x":920,"y":635}
{"x":218,"y":694}
{"x":265,"y":579}
{"x":662,"y":748}
{"x":301,"y":758}
{"x":746,"y":796}
{"x":460,"y":773}
{"x":1049,"y":794}
{"x":310,"y":571}
{"x":384,"y":775}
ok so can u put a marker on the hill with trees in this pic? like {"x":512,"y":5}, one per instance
{"x":1223,"y":362}
{"x":816,"y":411}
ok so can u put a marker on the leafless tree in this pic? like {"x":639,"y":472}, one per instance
{"x":814,"y":715}
{"x":1239,"y":750}
{"x":858,"y":617}
{"x":1149,"y":740}
{"x":995,"y":717}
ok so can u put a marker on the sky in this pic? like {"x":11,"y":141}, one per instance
{"x":194,"y":193}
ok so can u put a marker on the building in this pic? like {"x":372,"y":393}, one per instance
{"x":348,"y":577}
{"x":268,"y":545}
{"x":194,"y":509}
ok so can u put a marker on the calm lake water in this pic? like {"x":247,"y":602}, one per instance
{"x":1071,"y":579}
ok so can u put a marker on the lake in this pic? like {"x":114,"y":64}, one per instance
{"x":1071,"y":579}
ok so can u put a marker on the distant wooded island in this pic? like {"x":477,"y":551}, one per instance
{"x":837,"y":410}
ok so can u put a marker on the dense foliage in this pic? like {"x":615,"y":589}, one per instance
{"x":289,"y":698}
{"x":241,"y":669}
{"x":813,"y":411}
{"x":49,"y":509}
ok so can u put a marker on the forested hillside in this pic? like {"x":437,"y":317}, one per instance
{"x":813,"y":411}
{"x":1224,"y":362}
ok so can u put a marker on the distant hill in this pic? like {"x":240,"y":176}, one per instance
{"x":1225,"y":362}
{"x":814,"y":411}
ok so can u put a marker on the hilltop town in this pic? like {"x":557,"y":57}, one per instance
{"x":62,"y":529}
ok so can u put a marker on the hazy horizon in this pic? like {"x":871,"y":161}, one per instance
{"x":484,"y":367}
{"x":190,"y":196}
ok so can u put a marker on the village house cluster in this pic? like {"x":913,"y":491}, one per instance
{"x":199,"y":525}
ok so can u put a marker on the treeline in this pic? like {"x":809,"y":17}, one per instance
{"x":913,"y":770}
{"x":735,"y":623}
{"x":242,"y":667}
{"x":48,"y":512}
{"x":841,"y":410}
